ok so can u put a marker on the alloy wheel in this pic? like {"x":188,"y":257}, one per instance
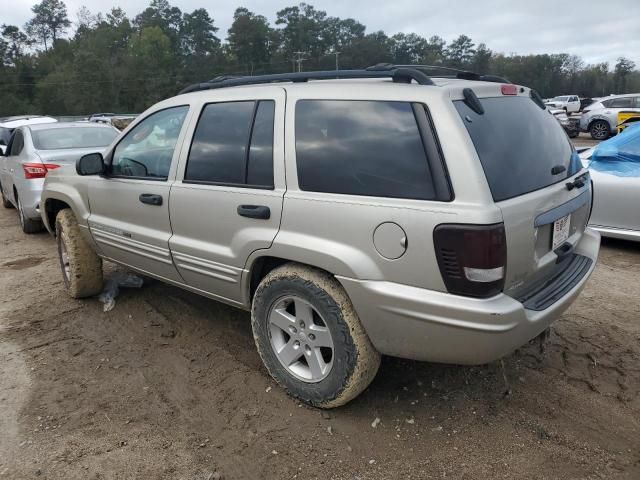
{"x":301,"y":339}
{"x":600,"y":130}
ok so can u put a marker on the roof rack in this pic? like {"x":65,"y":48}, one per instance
{"x":399,"y":74}
{"x":457,"y":73}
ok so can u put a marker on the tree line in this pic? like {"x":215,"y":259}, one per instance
{"x":110,"y":62}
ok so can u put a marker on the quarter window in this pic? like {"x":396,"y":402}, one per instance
{"x":361,"y":148}
{"x":233,"y":145}
{"x":17,"y":144}
{"x":146,"y":151}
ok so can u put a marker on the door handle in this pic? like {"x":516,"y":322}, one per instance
{"x":150,"y":198}
{"x":254,"y":211}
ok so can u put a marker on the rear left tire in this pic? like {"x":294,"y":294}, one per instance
{"x":28,"y":225}
{"x":310,"y":338}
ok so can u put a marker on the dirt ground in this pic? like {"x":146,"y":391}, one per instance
{"x":168,"y":385}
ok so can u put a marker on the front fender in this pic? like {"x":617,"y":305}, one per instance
{"x":71,"y":191}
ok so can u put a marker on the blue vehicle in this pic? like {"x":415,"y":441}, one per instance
{"x":615,"y":171}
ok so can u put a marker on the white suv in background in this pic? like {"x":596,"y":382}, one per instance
{"x":568,"y":103}
{"x":600,"y":118}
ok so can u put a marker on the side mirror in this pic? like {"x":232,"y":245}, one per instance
{"x":90,"y":164}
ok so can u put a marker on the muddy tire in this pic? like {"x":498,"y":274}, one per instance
{"x":81,"y":267}
{"x":310,"y":338}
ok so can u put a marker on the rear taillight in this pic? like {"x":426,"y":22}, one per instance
{"x":37,"y":170}
{"x":472,"y":258}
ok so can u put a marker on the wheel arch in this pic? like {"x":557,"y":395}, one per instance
{"x":597,"y":119}
{"x":262,"y":262}
{"x":51,"y":208}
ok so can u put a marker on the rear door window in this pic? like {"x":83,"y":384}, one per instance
{"x":625,"y":102}
{"x":233,"y":145}
{"x":5,"y":135}
{"x":518,"y":144}
{"x":361,"y":148}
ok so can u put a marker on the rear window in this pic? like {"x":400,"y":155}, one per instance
{"x":361,"y":148}
{"x":518,"y":144}
{"x":72,"y":137}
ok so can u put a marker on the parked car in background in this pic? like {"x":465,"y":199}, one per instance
{"x":568,"y":103}
{"x":600,"y":118}
{"x":626,"y":119}
{"x":9,"y":124}
{"x":614,"y":166}
{"x":353,"y":217}
{"x":96,"y":117}
{"x":120,"y":121}
{"x":570,"y":125}
{"x":36,"y":149}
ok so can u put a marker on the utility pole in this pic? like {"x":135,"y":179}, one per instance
{"x":299,"y":60}
{"x":337,"y":64}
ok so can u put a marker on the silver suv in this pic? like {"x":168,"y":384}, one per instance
{"x":600,"y":118}
{"x":387,"y":212}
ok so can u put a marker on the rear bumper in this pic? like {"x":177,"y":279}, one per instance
{"x":419,"y":324}
{"x":30,"y":192}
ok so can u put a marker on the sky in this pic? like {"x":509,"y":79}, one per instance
{"x":595,"y":30}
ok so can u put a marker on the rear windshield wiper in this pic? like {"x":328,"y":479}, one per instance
{"x":472,"y":101}
{"x":535,"y":96}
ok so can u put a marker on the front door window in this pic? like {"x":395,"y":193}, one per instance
{"x":146,"y":151}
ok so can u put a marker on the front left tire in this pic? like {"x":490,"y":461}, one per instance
{"x":81,"y":266}
{"x":600,"y":130}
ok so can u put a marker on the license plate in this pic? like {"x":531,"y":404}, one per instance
{"x":560,"y":231}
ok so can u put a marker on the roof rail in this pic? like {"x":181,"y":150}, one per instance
{"x":457,"y":73}
{"x":398,"y":74}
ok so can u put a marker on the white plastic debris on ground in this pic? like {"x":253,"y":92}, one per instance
{"x":112,"y":287}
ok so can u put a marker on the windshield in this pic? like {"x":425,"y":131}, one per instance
{"x":5,"y":135}
{"x":518,"y":144}
{"x":72,"y":137}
